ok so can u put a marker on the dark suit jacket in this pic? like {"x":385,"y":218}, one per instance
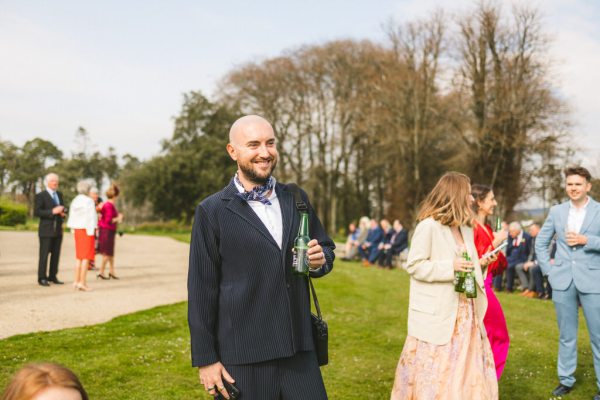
{"x":245,"y":304}
{"x":400,"y":241}
{"x":50,"y":224}
{"x":518,"y":254}
{"x":375,"y":236}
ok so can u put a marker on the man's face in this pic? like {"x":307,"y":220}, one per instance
{"x":255,"y":151}
{"x":94,"y":196}
{"x":577,"y":187}
{"x":514,"y":232}
{"x":374,"y":224}
{"x":52,"y":182}
{"x":397,"y":225}
{"x":534,"y":230}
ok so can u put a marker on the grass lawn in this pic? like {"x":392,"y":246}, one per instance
{"x":146,"y":355}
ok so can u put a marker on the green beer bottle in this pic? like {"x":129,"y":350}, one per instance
{"x":459,"y":277}
{"x":498,"y":224}
{"x":300,"y":257}
{"x":469,"y":281}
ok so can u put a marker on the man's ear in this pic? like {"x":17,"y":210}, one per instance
{"x":231,"y":151}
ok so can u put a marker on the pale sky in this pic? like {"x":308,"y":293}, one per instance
{"x":120,"y":68}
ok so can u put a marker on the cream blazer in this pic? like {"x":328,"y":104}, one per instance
{"x":433,"y":303}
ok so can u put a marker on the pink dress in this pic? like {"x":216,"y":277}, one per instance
{"x":494,"y":321}
{"x":463,"y":369}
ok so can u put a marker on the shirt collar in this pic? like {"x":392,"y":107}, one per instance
{"x":584,"y":207}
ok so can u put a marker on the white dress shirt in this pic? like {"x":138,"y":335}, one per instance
{"x":576,"y":216}
{"x":270,"y":215}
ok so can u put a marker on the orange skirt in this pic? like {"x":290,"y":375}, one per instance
{"x":84,"y":245}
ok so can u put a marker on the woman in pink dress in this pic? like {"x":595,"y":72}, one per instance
{"x":107,"y":231}
{"x":446,"y":354}
{"x":486,"y":240}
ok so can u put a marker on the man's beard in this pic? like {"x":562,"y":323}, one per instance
{"x":253,"y":176}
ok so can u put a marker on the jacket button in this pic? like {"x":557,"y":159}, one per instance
{"x":288,"y":286}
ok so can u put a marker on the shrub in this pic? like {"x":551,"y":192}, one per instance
{"x":11,"y":213}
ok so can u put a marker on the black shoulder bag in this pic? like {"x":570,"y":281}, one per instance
{"x":319,"y":326}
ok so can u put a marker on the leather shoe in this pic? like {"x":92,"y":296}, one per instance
{"x":561,"y":390}
{"x":56,"y":281}
{"x":531,"y":295}
{"x":43,"y":282}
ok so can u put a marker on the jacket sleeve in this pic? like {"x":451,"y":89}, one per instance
{"x":318,"y":232}
{"x":542,"y":244}
{"x":203,"y":290}
{"x":38,"y":208}
{"x":420,"y":266}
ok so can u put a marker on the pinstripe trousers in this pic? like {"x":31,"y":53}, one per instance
{"x":294,"y":378}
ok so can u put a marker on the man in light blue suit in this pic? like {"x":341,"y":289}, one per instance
{"x":575,"y":273}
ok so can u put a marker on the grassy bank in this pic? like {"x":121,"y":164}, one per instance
{"x":146,"y":355}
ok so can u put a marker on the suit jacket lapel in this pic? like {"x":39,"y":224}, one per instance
{"x":240,"y":207}
{"x":288,"y":208}
{"x":590,"y":215}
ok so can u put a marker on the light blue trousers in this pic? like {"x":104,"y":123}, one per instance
{"x":567,"y":315}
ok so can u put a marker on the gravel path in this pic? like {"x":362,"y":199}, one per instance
{"x":153,"y":272}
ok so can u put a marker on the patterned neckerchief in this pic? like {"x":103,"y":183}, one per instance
{"x":257,"y":193}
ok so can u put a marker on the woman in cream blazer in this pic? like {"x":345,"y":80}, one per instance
{"x":446,"y":354}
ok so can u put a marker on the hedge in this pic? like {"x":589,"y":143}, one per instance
{"x":11,"y":213}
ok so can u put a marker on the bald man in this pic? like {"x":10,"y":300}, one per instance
{"x":249,"y":315}
{"x":49,"y":208}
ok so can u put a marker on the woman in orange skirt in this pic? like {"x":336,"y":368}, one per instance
{"x":83,"y":221}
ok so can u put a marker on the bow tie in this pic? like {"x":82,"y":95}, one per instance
{"x":257,"y":193}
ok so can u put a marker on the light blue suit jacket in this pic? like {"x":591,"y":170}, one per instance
{"x":580,"y":264}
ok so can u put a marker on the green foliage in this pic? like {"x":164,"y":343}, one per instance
{"x":146,"y":354}
{"x":11,"y":213}
{"x":85,"y":164}
{"x":31,"y":164}
{"x":193,"y":165}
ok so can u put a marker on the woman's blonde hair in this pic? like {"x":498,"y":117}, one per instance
{"x":33,"y":378}
{"x":448,"y":202}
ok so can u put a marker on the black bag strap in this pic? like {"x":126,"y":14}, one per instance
{"x":303,"y":208}
{"x":315,"y":300}
{"x":300,"y":204}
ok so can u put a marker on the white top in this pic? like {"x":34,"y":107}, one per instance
{"x":270,"y":215}
{"x":576,"y":216}
{"x":82,"y":214}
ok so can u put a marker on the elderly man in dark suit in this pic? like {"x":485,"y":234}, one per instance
{"x":517,"y":252}
{"x":249,"y":315}
{"x":49,"y":207}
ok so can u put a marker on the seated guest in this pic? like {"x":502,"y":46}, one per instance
{"x":530,"y":273}
{"x":369,"y":249}
{"x":397,"y":243}
{"x":517,"y":252}
{"x":353,"y":232}
{"x":44,"y":381}
{"x":360,"y":236}
{"x":387,"y":235}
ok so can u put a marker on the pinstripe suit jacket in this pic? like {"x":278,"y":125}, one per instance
{"x":244,"y":304}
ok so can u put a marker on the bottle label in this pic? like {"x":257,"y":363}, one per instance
{"x":300,"y":260}
{"x":469,"y":285}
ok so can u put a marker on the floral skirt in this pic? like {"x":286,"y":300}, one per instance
{"x":462,"y":369}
